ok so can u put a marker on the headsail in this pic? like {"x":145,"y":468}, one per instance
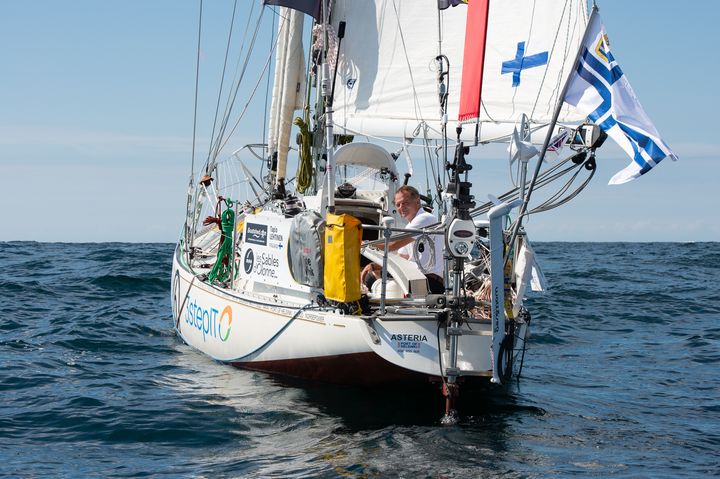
{"x":388,"y":78}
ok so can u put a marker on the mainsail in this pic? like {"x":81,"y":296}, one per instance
{"x":387,"y":82}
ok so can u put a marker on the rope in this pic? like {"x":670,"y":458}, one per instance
{"x":221,"y":270}
{"x":280,"y":331}
{"x":305,"y":167}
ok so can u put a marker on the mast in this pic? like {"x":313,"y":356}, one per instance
{"x":326,"y":91}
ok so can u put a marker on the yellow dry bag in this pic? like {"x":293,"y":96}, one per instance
{"x":343,"y":234}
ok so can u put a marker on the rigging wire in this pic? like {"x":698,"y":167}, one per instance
{"x":581,"y":11}
{"x":222,"y":77}
{"x":239,"y":76}
{"x":548,"y":205}
{"x":197,"y":87}
{"x":191,"y":197}
{"x":436,"y":169}
{"x":544,"y":179}
{"x":552,"y":51}
{"x":418,"y":113}
{"x":550,"y":56}
{"x":223,"y":126}
{"x":252,"y":93}
{"x":427,"y":128}
{"x":231,"y":100}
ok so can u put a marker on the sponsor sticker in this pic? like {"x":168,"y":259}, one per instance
{"x":256,"y":234}
{"x":248,"y":261}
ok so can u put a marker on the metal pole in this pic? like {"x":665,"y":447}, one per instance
{"x":497,"y":281}
{"x":329,"y":134}
{"x":387,"y":223}
{"x":232,"y":253}
{"x":329,"y":143}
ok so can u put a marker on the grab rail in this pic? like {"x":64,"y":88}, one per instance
{"x":387,"y":230}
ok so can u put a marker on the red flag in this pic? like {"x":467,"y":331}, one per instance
{"x":473,"y":59}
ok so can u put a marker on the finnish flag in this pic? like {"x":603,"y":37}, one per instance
{"x":599,"y":89}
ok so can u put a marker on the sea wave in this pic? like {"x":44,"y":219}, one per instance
{"x":620,"y":378}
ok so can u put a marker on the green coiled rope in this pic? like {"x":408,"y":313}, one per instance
{"x":221,"y":270}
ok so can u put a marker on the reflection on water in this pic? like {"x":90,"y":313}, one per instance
{"x":348,"y":431}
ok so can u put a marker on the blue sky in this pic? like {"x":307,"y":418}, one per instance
{"x":97,"y":109}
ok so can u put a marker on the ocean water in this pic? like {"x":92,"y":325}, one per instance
{"x":621,"y":379}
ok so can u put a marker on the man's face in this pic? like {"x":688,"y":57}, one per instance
{"x":406,"y":205}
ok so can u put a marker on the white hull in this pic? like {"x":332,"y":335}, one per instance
{"x":269,"y":332}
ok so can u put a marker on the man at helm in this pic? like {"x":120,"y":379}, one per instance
{"x":427,"y":255}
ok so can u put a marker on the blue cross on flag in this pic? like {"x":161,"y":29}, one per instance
{"x":600,"y":90}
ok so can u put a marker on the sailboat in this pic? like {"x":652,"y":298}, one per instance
{"x":266,"y":273}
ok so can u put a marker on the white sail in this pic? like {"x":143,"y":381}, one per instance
{"x":288,"y":85}
{"x":388,"y":78}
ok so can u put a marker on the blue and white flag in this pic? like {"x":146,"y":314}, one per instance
{"x":600,"y":90}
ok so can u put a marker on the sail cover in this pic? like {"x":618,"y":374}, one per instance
{"x":387,"y":82}
{"x":288,"y":85}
